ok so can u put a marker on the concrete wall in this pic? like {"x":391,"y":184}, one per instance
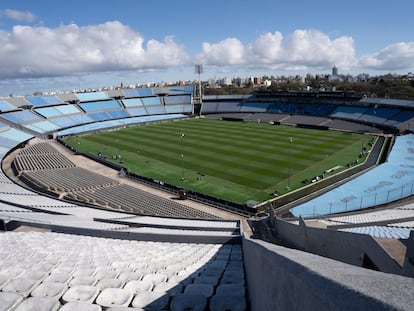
{"x":129,"y":235}
{"x":409,"y":257}
{"x":280,"y":278}
{"x":343,"y":246}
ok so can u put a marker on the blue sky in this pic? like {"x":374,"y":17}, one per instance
{"x":55,"y":45}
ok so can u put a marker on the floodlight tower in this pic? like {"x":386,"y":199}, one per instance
{"x":290,"y":158}
{"x":199,"y":70}
{"x":182,"y":156}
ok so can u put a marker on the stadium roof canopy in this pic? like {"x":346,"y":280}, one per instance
{"x":388,"y":102}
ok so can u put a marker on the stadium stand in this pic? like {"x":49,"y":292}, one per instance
{"x":57,"y":111}
{"x":381,"y":231}
{"x":254,"y":107}
{"x":385,"y":183}
{"x":268,"y":117}
{"x":127,"y":198}
{"x":105,"y":273}
{"x":91,"y":96}
{"x":106,"y":259}
{"x":38,"y":101}
{"x":308,"y":120}
{"x":116,"y":123}
{"x":18,"y":101}
{"x":99,"y":105}
{"x":5,"y":106}
{"x":379,"y":113}
{"x":132,"y":102}
{"x":20,"y":117}
{"x":348,"y":112}
{"x":45,"y":168}
{"x":178,"y":100}
{"x":139,"y":92}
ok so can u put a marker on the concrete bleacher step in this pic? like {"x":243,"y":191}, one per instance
{"x":395,"y":248}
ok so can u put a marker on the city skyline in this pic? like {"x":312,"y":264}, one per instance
{"x":91,"y":44}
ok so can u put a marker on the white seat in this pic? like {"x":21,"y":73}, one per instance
{"x":37,"y":276}
{"x":124,"y":309}
{"x":151,"y":301}
{"x":114,"y":297}
{"x":20,"y":286}
{"x":217,"y":264}
{"x":13,"y":272}
{"x":58,"y":277}
{"x":105,"y":274}
{"x":50,"y":289}
{"x":81,"y":293}
{"x":9,"y":300}
{"x":155,"y":278}
{"x":192,"y":302}
{"x":63,"y":269}
{"x":39,"y":304}
{"x":227,"y":302}
{"x":82,"y":280}
{"x":43,"y":267}
{"x":235,"y":265}
{"x":168,"y":288}
{"x":80,"y":306}
{"x":138,"y":265}
{"x":84,"y":272}
{"x":232,"y":277}
{"x":170,"y":271}
{"x":3,"y":280}
{"x":109,"y":283}
{"x":129,"y":276}
{"x":120,"y":264}
{"x":139,"y":286}
{"x":203,"y":279}
{"x":200,"y":289}
{"x":231,"y":289}
{"x":182,"y":279}
{"x":213,"y":271}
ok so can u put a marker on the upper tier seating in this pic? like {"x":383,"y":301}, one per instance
{"x":5,"y":106}
{"x":38,"y":101}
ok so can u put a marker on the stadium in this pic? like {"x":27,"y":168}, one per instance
{"x":83,"y":229}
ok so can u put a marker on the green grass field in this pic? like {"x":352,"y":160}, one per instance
{"x":236,"y":161}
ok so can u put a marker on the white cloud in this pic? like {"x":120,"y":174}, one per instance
{"x":312,"y":48}
{"x":36,"y":51}
{"x":18,"y":15}
{"x":41,"y":51}
{"x":399,"y":56}
{"x":303,"y":49}
{"x":227,"y":52}
{"x":268,"y":47}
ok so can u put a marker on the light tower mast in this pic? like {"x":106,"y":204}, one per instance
{"x":199,"y":70}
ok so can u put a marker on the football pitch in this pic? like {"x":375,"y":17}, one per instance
{"x":235,"y":161}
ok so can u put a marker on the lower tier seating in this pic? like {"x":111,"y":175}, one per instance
{"x":56,"y":270}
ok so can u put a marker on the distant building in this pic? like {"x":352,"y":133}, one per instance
{"x":257,"y":81}
{"x":335,"y":71}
